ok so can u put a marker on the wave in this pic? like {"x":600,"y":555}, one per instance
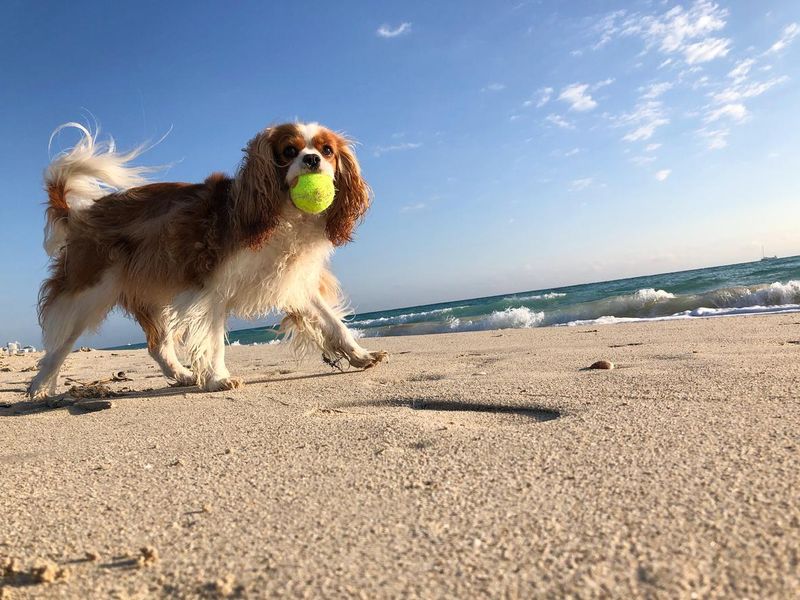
{"x":547,"y":296}
{"x":398,"y":319}
{"x":689,"y":314}
{"x":510,"y":318}
{"x":644,"y":304}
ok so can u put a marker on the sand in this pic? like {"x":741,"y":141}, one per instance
{"x":487,"y":463}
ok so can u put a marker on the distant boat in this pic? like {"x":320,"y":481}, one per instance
{"x":766,"y":258}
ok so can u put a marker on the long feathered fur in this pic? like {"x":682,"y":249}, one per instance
{"x":78,"y":177}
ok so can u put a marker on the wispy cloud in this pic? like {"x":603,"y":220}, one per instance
{"x":387,"y":31}
{"x":707,"y":50}
{"x":380,"y":150}
{"x":742,"y":69}
{"x":413,"y":207}
{"x":541,"y":97}
{"x":740,"y":91}
{"x":790,"y":32}
{"x":577,"y":96}
{"x":734,"y":112}
{"x":657,"y":89}
{"x":565,"y":153}
{"x":641,"y":161}
{"x":578,"y":185}
{"x":647,"y":116}
{"x":559,"y":121}
{"x":678,"y":30}
{"x":715,"y":139}
{"x":663,"y":174}
{"x":652,"y":147}
{"x":494,"y":87}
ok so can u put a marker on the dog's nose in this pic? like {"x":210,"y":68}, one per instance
{"x":311,"y":161}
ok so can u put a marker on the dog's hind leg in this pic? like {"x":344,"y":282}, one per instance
{"x":64,"y":316}
{"x":161,"y":344}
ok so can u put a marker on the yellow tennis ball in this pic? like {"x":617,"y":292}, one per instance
{"x":313,"y":192}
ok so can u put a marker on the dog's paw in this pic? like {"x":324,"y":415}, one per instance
{"x":37,"y":393}
{"x":184,"y":380}
{"x":220,"y":385}
{"x":40,"y":389}
{"x":368,"y":360}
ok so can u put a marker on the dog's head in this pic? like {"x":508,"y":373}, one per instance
{"x":277,"y":156}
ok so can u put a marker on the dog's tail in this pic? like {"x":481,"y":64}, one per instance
{"x":79,"y":176}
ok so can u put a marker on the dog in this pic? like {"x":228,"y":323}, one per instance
{"x":180,"y":258}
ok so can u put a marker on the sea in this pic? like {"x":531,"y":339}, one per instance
{"x":762,"y":287}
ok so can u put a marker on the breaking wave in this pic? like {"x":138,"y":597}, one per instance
{"x":644,"y":304}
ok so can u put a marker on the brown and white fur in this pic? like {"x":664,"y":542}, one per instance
{"x":180,"y":258}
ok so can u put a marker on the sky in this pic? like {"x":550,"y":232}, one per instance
{"x":511,"y":145}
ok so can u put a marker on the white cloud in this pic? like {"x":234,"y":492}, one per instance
{"x":736,"y":93}
{"x":386,"y":31}
{"x":543,"y":97}
{"x":494,"y":87}
{"x":396,"y":148}
{"x":790,"y":32}
{"x":641,"y":161}
{"x":572,"y":152}
{"x":735,"y":112}
{"x":742,"y":69}
{"x":648,"y":116}
{"x":604,"y":83}
{"x":715,"y":139}
{"x":707,"y":50}
{"x":578,"y":185}
{"x":559,"y":121}
{"x":577,"y":97}
{"x":413,"y":207}
{"x":676,"y":31}
{"x":652,"y":147}
{"x":663,"y":174}
{"x":657,"y":89}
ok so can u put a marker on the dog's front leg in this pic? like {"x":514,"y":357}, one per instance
{"x":216,"y":375}
{"x":321,"y":324}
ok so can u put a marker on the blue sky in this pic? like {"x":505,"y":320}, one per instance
{"x":511,"y":146}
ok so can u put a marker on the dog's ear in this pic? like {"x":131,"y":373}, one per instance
{"x":257,"y":191}
{"x":352,"y":199}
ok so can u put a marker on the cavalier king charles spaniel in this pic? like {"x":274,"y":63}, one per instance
{"x":181,"y":257}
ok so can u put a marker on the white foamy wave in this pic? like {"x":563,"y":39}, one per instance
{"x":691,"y":314}
{"x":510,"y":318}
{"x":775,"y":294}
{"x":651,"y":295}
{"x":547,"y":296}
{"x":398,"y":319}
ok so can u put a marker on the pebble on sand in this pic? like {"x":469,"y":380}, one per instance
{"x":602,"y":364}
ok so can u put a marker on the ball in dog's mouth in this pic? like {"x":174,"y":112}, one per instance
{"x":313,"y":192}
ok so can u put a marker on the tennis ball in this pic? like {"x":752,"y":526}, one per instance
{"x":313,"y":192}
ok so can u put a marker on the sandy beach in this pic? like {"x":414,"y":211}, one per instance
{"x":471,"y":464}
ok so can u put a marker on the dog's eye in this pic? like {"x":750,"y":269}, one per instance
{"x":290,"y":152}
{"x":327,"y":150}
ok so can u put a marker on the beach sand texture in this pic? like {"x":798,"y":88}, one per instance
{"x":487,"y":463}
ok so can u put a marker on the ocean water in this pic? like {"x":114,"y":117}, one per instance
{"x":769,"y":286}
{"x":761,"y":287}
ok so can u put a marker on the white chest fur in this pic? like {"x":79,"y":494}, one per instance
{"x":281,"y":275}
